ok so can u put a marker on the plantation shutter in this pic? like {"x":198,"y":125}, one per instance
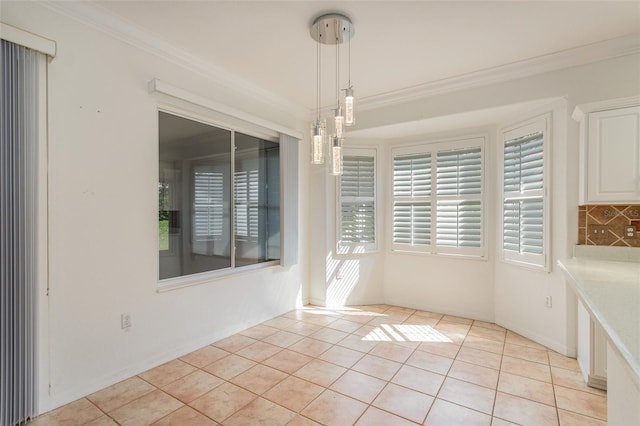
{"x":459,"y":192}
{"x":523,"y":163}
{"x":246,"y":192}
{"x":523,"y":204}
{"x":208,"y":203}
{"x":412,"y":203}
{"x":357,"y":200}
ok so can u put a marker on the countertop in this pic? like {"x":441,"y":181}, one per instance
{"x":610,"y":290}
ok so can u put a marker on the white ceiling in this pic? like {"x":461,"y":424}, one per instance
{"x":397,"y":44}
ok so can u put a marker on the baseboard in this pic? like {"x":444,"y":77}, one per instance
{"x":304,"y":302}
{"x":59,"y":398}
{"x":440,"y":310}
{"x":317,"y":302}
{"x":543,"y":340}
{"x":597,"y":382}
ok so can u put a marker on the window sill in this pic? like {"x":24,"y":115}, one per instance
{"x":355,"y":250}
{"x":176,"y":283}
{"x":474,"y":257}
{"x":529,"y":266}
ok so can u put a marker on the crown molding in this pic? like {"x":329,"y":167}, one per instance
{"x":95,"y":17}
{"x":600,"y":51}
{"x":102,"y":20}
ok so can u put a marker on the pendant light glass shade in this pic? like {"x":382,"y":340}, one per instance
{"x":349,"y":118}
{"x":338,"y":122}
{"x":318,"y":138}
{"x":336,"y":156}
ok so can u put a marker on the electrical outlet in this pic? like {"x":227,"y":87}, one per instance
{"x":597,"y":230}
{"x":548,"y":302}
{"x":630,"y":231}
{"x":125,"y":320}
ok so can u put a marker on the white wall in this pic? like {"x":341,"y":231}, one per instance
{"x":440,"y":284}
{"x":103,"y":171}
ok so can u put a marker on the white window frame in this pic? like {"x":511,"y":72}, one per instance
{"x":192,"y":111}
{"x":460,"y":251}
{"x":433,"y":148}
{"x":354,"y":248}
{"x":542,"y":124}
{"x":406,"y":151}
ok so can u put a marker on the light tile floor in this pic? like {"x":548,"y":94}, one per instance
{"x":366,"y":365}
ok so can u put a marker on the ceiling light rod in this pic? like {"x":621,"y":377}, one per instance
{"x":339,"y":116}
{"x":318,"y":129}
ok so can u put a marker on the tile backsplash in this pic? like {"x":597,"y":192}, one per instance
{"x":607,"y":225}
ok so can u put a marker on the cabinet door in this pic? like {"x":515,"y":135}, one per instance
{"x":614,"y":155}
{"x":598,"y":352}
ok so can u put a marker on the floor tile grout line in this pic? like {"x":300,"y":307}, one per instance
{"x":99,"y":409}
{"x":553,"y":389}
{"x":369,"y":404}
{"x":576,"y":412}
{"x":155,"y":388}
{"x":414,"y":349}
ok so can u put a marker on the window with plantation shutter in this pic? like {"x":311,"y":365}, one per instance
{"x":524,"y":207}
{"x":357,"y":204}
{"x":246,"y":191}
{"x":208,"y":200}
{"x":437,"y":198}
{"x":412,"y":201}
{"x":459,"y":200}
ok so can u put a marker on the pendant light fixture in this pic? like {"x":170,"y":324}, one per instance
{"x":349,"y":118}
{"x":332,"y":29}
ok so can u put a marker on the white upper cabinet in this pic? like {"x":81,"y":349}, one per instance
{"x":609,"y":151}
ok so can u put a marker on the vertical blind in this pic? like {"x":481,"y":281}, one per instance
{"x":411,"y":199}
{"x":523,"y":203}
{"x":289,"y":147}
{"x":357,"y":200}
{"x":18,"y":167}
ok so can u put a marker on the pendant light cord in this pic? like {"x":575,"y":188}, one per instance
{"x":337,"y":70}
{"x":318,"y":80}
{"x":349,"y":63}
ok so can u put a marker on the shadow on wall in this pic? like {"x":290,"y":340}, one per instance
{"x":342,"y":277}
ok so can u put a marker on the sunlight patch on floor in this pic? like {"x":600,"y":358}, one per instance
{"x":405,"y":333}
